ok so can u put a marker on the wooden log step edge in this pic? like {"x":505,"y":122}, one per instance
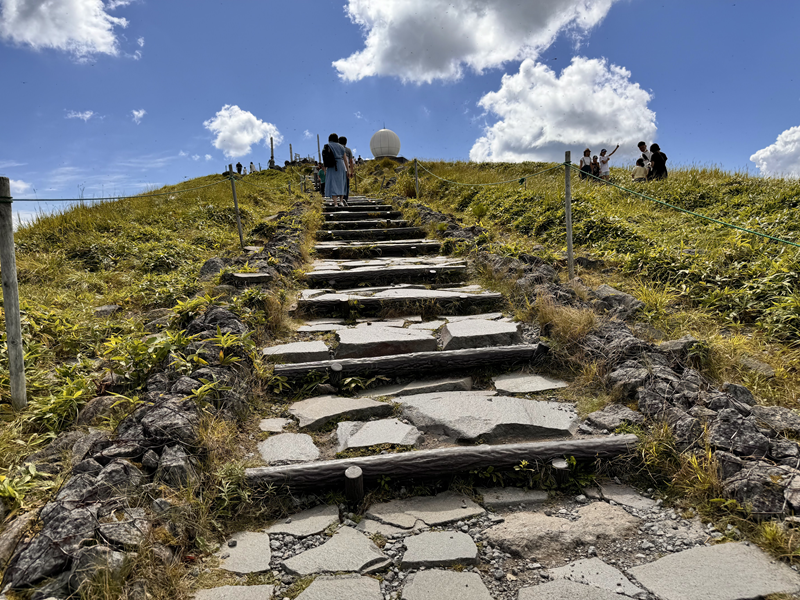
{"x":433,"y":463}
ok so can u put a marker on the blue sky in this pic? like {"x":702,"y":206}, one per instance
{"x":714,"y":82}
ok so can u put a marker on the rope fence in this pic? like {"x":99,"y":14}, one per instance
{"x":112,"y":198}
{"x":515,"y":180}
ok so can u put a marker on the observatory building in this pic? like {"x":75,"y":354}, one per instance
{"x":385,"y":143}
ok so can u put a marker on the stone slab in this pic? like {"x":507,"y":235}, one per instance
{"x":613,"y":416}
{"x":621,"y":494}
{"x":427,"y":325}
{"x":566,"y":590}
{"x":483,"y":316}
{"x":308,"y":522}
{"x":594,"y":572}
{"x":251,"y":554}
{"x":735,"y":571}
{"x":526,"y":383}
{"x":479,"y":333}
{"x":469,"y":415}
{"x":236,"y":592}
{"x":359,"y":434}
{"x":314,"y":413}
{"x":347,"y":587}
{"x":439,"y":549}
{"x":432,"y":510}
{"x":445,"y":585}
{"x":370,"y":526}
{"x":452,"y":384}
{"x":288,"y":448}
{"x":347,"y":551}
{"x":273,"y":425}
{"x":298,"y":352}
{"x":511,"y":496}
{"x":363,"y":342}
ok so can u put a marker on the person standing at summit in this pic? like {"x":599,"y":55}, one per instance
{"x":350,"y":162}
{"x":646,"y":155}
{"x":336,"y":175}
{"x":605,"y":171}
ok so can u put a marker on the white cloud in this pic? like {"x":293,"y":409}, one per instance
{"x":208,"y":157}
{"x":85,"y":115}
{"x":19,"y":187}
{"x":423,"y":40}
{"x":541,"y":114}
{"x":307,"y":134}
{"x":80,"y":27}
{"x":9,"y":164}
{"x":138,"y":115}
{"x":358,"y":115}
{"x":140,"y":41}
{"x":112,"y":4}
{"x":238,"y":129}
{"x":782,"y":157}
{"x":182,"y":153}
{"x":196,"y":157}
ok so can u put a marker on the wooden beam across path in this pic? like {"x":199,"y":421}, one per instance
{"x":441,"y":302}
{"x":344,"y":250}
{"x":435,"y":463}
{"x":410,"y":274}
{"x":395,"y":233}
{"x":357,"y":208}
{"x":368,"y":224}
{"x":418,"y":362}
{"x":359,"y":216}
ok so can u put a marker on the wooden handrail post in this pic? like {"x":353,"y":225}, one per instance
{"x":319,"y":152}
{"x":416,"y":178}
{"x":568,"y":214}
{"x":8,"y":266}
{"x":236,"y":206}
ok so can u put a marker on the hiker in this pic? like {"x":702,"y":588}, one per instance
{"x":586,"y":163}
{"x":239,"y":168}
{"x":605,"y":170}
{"x":321,"y":175}
{"x":350,"y":163}
{"x":640,"y":172}
{"x":252,"y":167}
{"x":595,"y":168}
{"x":646,"y":154}
{"x":658,"y":169}
{"x":334,"y":156}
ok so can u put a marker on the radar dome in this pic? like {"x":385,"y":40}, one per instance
{"x":384,"y":143}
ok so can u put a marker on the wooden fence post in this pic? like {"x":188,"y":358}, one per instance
{"x":319,"y":152}
{"x":291,"y":155}
{"x":8,"y":266}
{"x":354,"y":485}
{"x":568,"y":213}
{"x":236,"y":206}
{"x":416,"y":178}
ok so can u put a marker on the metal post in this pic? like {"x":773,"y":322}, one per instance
{"x":236,"y":205}
{"x":319,"y":152}
{"x":568,"y":214}
{"x":8,"y":266}
{"x":416,"y":177}
{"x":271,"y":149}
{"x":291,"y":156}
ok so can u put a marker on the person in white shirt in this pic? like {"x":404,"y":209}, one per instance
{"x":647,"y":156}
{"x":605,"y":170}
{"x":586,"y":164}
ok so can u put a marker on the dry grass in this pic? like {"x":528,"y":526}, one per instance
{"x":566,"y":325}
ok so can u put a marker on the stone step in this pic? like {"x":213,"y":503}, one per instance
{"x":400,"y":301}
{"x":396,"y":233}
{"x":428,"y":274}
{"x":357,"y":208}
{"x":367,"y":224}
{"x":434,"y":463}
{"x":417,"y":363}
{"x":365,"y":249}
{"x":360,"y":216}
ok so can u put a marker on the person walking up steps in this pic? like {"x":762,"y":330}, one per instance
{"x":334,"y":156}
{"x":351,"y":165}
{"x":605,"y":170}
{"x":321,"y":175}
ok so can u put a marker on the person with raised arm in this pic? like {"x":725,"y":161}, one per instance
{"x":605,"y":170}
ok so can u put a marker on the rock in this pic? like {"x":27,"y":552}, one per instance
{"x":511,"y":496}
{"x":315,"y":413}
{"x":54,"y":589}
{"x":150,"y":460}
{"x":529,"y":534}
{"x":453,"y":384}
{"x":96,"y":409}
{"x":175,"y":467}
{"x":756,"y":366}
{"x":733,"y":571}
{"x":107,"y":310}
{"x":347,"y":587}
{"x":382,"y":341}
{"x":431,"y":510}
{"x":87,"y":467}
{"x":621,"y":303}
{"x":273,"y":425}
{"x":355,"y":434}
{"x":741,"y":393}
{"x":251,"y":554}
{"x":309,"y":522}
{"x":613,"y":416}
{"x":625,"y":495}
{"x":732,"y":432}
{"x":760,"y":486}
{"x":628,"y":378}
{"x":238,"y":592}
{"x":127,"y":535}
{"x":780,"y":420}
{"x":783,"y":449}
{"x":596,"y":573}
{"x":563,"y":589}
{"x":476,"y":333}
{"x":158,"y":383}
{"x":185,"y":386}
{"x":12,"y":534}
{"x":288,"y":448}
{"x":117,"y":478}
{"x":729,"y":464}
{"x":347,"y":550}
{"x":211,"y":268}
{"x":298,"y":352}
{"x":525,"y":383}
{"x":445,"y":585}
{"x":439,"y":549}
{"x":172,"y":421}
{"x":370,"y":527}
{"x":679,"y":349}
{"x":472,"y":415}
{"x":89,"y":562}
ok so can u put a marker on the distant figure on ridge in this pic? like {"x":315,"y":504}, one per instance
{"x":333,"y":157}
{"x":640,"y":172}
{"x":595,"y":167}
{"x":658,"y":169}
{"x":646,"y":155}
{"x":252,"y":167}
{"x":349,"y":163}
{"x":605,"y":170}
{"x":586,"y":164}
{"x":239,"y":168}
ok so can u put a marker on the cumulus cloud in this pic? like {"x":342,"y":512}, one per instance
{"x":138,"y":115}
{"x":541,"y":114}
{"x":782,"y":157}
{"x":195,"y":157}
{"x":84,"y":116}
{"x":307,"y":134}
{"x":423,"y":40}
{"x":237,"y":130}
{"x":208,"y":157}
{"x":80,"y":27}
{"x":19,"y":187}
{"x":182,"y":153}
{"x":140,"y":41}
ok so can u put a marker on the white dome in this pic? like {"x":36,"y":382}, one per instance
{"x":384,"y":143}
